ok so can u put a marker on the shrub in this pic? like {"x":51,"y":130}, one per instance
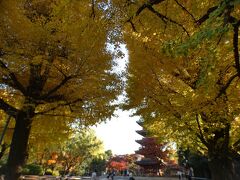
{"x":32,"y":169}
{"x":48,"y":172}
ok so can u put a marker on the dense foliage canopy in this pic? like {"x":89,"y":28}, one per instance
{"x":183,"y":72}
{"x":54,"y":64}
{"x":183,"y":75}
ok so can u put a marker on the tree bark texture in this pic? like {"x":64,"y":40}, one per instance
{"x":19,"y":146}
{"x":224,"y":169}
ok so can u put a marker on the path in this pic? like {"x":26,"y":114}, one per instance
{"x":88,"y":178}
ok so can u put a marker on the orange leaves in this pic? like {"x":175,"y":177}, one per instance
{"x":121,"y":162}
{"x":118,"y":165}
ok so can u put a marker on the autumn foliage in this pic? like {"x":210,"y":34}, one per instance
{"x":122,"y":162}
{"x":53,"y":65}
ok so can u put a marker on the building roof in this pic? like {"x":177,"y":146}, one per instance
{"x":140,"y":122}
{"x":148,"y":162}
{"x":142,"y":132}
{"x":147,"y":141}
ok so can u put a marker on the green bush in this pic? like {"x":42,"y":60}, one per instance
{"x":32,"y":169}
{"x":48,"y":172}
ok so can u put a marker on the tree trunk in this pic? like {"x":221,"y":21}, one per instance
{"x":18,"y":150}
{"x":223,"y":163}
{"x":224,"y":169}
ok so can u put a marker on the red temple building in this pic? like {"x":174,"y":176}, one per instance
{"x":152,"y":152}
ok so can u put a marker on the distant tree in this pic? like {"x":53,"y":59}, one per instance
{"x":78,"y":150}
{"x":117,"y":163}
{"x":99,"y":163}
{"x":122,"y":162}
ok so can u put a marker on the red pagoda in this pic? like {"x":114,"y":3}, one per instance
{"x":152,"y":152}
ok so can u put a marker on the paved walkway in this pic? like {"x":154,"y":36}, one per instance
{"x":88,"y":178}
{"x":141,"y":178}
{"x":29,"y":177}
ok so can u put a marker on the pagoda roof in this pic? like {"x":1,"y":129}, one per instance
{"x":148,"y":162}
{"x":146,"y":140}
{"x":138,"y":152}
{"x":142,"y":132}
{"x":140,"y":122}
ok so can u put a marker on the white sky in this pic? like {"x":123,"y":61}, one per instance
{"x":119,"y":134}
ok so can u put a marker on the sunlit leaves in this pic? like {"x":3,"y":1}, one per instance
{"x":177,"y":77}
{"x":67,"y":48}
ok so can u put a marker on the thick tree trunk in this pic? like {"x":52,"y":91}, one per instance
{"x":224,"y":169}
{"x":18,"y":150}
{"x":223,"y":162}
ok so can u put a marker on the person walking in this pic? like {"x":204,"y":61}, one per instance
{"x":111,"y":175}
{"x":179,"y":174}
{"x":131,"y":176}
{"x":94,"y":175}
{"x":190,"y":174}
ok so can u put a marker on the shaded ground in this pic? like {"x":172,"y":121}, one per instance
{"x":88,"y":178}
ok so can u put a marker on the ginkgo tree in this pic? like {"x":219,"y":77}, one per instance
{"x":183,"y":75}
{"x":53,"y":63}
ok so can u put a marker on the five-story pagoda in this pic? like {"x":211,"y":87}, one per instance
{"x":152,"y":153}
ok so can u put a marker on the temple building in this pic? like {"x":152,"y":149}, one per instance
{"x":153,"y":155}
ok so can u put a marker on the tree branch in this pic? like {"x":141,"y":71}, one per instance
{"x":235,"y":45}
{"x":153,"y":2}
{"x":236,"y":24}
{"x":200,"y":135}
{"x":145,"y":5}
{"x":47,"y":70}
{"x":13,"y":77}
{"x":224,"y":88}
{"x":8,"y":109}
{"x":206,"y":16}
{"x":93,"y":14}
{"x":53,"y":98}
{"x":170,"y":109}
{"x":165,"y":18}
{"x":57,"y":87}
{"x":184,"y":9}
{"x":59,"y":105}
{"x":237,"y":143}
{"x":132,"y":25}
